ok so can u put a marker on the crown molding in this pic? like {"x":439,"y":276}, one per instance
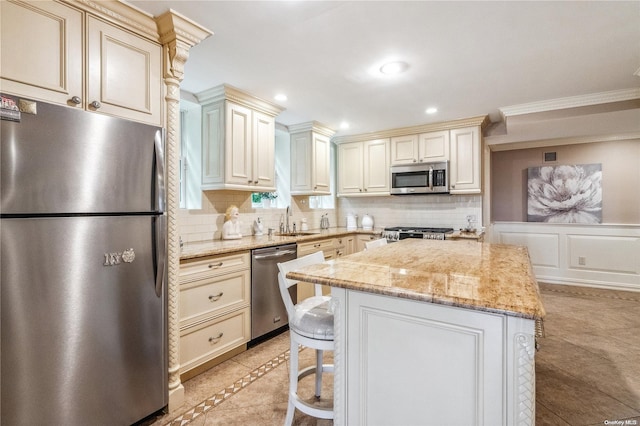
{"x":570,"y":102}
{"x":481,"y":121}
{"x":312,"y":126}
{"x":230,"y":93}
{"x":175,"y":26}
{"x":122,"y":14}
{"x":571,"y":140}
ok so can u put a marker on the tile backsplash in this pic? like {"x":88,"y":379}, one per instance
{"x":414,"y":210}
{"x":431,"y":210}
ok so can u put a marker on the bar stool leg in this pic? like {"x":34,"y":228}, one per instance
{"x":319,"y":355}
{"x":293,"y":381}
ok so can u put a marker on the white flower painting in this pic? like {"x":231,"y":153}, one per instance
{"x":565,"y":194}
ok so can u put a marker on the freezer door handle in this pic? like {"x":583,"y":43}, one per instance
{"x":161,"y":251}
{"x":159,"y":169}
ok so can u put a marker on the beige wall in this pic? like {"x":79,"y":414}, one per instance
{"x":620,"y":178}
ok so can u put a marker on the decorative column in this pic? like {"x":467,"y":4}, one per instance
{"x":177,"y":35}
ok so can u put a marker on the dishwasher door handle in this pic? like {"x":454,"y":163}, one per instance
{"x":274,"y":255}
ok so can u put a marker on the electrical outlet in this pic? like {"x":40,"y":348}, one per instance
{"x":582,"y":260}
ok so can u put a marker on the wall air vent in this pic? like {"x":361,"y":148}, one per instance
{"x":549,"y":157}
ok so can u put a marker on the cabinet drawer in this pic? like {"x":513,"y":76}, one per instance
{"x":197,"y":269}
{"x":314,"y":246}
{"x":203,"y":342}
{"x":214,"y":296}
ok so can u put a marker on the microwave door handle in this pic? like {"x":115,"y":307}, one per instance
{"x":431,"y":178}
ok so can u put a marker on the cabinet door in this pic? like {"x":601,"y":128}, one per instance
{"x":376,"y":166}
{"x":263,"y":169}
{"x":41,"y":51}
{"x":213,"y":145}
{"x":321,"y":164}
{"x":433,"y":146}
{"x":404,"y":149}
{"x":466,"y":161}
{"x":238,"y":159}
{"x":301,"y":159}
{"x":124,"y":74}
{"x":350,"y":163}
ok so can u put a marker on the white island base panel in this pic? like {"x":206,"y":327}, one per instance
{"x":405,"y":362}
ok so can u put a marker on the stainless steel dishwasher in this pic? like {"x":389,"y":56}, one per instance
{"x":267,"y":309}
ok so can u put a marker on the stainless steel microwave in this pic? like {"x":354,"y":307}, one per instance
{"x":420,"y":178}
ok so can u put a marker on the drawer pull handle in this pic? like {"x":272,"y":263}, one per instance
{"x":216,"y":339}
{"x":215,"y":265}
{"x":216,"y":297}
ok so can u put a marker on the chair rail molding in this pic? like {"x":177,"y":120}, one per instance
{"x":602,"y":256}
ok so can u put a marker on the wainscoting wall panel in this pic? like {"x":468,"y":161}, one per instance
{"x":606,"y":256}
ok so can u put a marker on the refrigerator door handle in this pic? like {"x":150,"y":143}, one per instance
{"x":161,"y":251}
{"x":159,"y":169}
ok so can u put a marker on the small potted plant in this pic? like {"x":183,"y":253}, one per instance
{"x":269,"y":199}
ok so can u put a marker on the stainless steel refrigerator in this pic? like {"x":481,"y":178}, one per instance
{"x":82,"y":262}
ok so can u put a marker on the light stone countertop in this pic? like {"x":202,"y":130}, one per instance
{"x":214,"y":247}
{"x":481,"y":276}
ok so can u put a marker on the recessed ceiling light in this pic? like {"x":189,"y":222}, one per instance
{"x":392,"y":68}
{"x":344,"y":125}
{"x":280,"y":97}
{"x":431,"y":110}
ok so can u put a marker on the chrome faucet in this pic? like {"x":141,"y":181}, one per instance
{"x":288,"y":214}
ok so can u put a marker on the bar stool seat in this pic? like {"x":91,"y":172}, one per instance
{"x":310,"y":325}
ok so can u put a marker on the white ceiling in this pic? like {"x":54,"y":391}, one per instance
{"x":465,"y":58}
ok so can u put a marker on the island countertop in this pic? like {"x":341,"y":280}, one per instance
{"x":481,"y":276}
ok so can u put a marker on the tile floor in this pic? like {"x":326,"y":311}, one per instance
{"x":587,"y":370}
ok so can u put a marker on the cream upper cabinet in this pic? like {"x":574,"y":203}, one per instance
{"x":350,"y":166}
{"x":41,"y":51}
{"x":466,"y":161}
{"x":363,"y":168}
{"x":125,"y":74}
{"x":238,"y":146}
{"x":404,"y":149}
{"x":425,"y":147}
{"x":376,"y":167}
{"x":310,"y":159}
{"x":43,"y":57}
{"x":433,"y":146}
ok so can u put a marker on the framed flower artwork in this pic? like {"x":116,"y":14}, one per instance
{"x":565,"y":194}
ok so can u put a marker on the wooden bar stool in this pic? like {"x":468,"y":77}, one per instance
{"x":310,"y":325}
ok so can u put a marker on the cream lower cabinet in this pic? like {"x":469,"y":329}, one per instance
{"x":465,"y":167}
{"x":405,"y":362}
{"x":345,"y":245}
{"x":363,"y":168}
{"x":215,"y":314}
{"x":238,"y":145}
{"x":43,"y":45}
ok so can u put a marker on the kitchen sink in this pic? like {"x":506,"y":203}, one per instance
{"x":296,"y":234}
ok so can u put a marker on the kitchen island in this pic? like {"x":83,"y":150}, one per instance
{"x":433,"y":333}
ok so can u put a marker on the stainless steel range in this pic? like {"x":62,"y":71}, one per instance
{"x":398,"y":233}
